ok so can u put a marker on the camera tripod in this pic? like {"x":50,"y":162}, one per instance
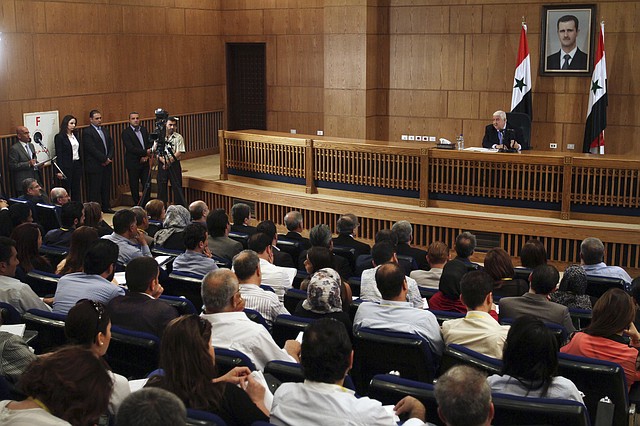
{"x":174,"y":176}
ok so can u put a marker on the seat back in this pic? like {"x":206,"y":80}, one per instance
{"x":522,"y":121}
{"x":389,"y":389}
{"x":443,"y":316}
{"x":185,"y":284}
{"x":459,"y":355}
{"x":203,"y":418}
{"x":10,"y":315}
{"x":407,"y":262}
{"x":427,"y":292}
{"x":54,"y":254}
{"x":48,"y":217}
{"x":348,"y":253}
{"x":597,"y":379}
{"x":378,"y":352}
{"x":597,"y":286}
{"x":227,"y":359}
{"x":241,"y":238}
{"x":581,"y":317}
{"x":522,"y":273}
{"x":292,"y":297}
{"x":42,"y":283}
{"x":181,"y":304}
{"x":558,"y":330}
{"x":287,"y":327}
{"x":50,"y":328}
{"x":289,"y":246}
{"x":522,"y":410}
{"x":286,"y":371}
{"x":256,"y":317}
{"x":355,"y":283}
{"x":133,"y":354}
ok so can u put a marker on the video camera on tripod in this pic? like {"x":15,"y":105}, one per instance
{"x":159,"y":135}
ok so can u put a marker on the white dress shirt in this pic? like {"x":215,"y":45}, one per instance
{"x":369,"y":289}
{"x":477,"y":331}
{"x":277,"y":277}
{"x":400,"y":317}
{"x":234,"y":330}
{"x":265,"y":302}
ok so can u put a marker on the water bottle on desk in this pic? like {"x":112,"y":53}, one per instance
{"x":460,"y":141}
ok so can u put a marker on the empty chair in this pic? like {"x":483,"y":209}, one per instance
{"x":378,"y":352}
{"x":182,"y":304}
{"x":48,"y":217}
{"x":292,"y":297}
{"x":9,"y":314}
{"x":42,"y":283}
{"x":50,"y":328}
{"x":457,"y":354}
{"x":133,"y":354}
{"x":287,"y":327}
{"x":597,"y":286}
{"x":227,"y":359}
{"x":185,"y":284}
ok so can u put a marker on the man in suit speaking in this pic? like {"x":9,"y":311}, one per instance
{"x":494,"y":134}
{"x":569,"y":57}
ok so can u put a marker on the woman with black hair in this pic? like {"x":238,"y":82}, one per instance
{"x":189,"y":371}
{"x":68,"y":153}
{"x":88,"y":324}
{"x":529,"y":363}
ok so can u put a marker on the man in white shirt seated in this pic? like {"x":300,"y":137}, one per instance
{"x":381,"y":253}
{"x":478,"y":330}
{"x":326,"y":359}
{"x":232,"y":329}
{"x":394,"y":313}
{"x":277,"y":277}
{"x":437,"y":257}
{"x":246,"y":266}
{"x":592,"y":259}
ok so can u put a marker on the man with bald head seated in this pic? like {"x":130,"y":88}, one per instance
{"x":326,"y":359}
{"x":394,"y":313}
{"x":140,"y":309}
{"x":494,"y":134}
{"x":232,"y":329}
{"x":199,"y":211}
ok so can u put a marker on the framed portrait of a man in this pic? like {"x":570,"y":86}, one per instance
{"x":566,"y":42}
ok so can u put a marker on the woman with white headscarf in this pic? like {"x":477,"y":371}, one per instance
{"x":323,"y":299}
{"x":171,"y":234}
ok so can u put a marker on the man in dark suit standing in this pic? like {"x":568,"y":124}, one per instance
{"x":137,"y":148}
{"x":98,"y":151}
{"x":494,"y":134}
{"x":22,"y":159}
{"x":140,"y":309}
{"x":569,"y":57}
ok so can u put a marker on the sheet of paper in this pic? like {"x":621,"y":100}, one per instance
{"x":17,"y":329}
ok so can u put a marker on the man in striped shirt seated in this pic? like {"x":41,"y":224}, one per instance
{"x":246,"y":265}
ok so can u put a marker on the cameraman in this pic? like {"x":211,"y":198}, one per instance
{"x":169,"y":164}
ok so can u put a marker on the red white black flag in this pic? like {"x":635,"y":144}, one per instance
{"x":521,"y":95}
{"x":597,"y":112}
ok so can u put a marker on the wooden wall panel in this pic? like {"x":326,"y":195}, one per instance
{"x":299,"y":60}
{"x":465,"y":19}
{"x":419,"y":20}
{"x":85,"y":18}
{"x":137,"y":20}
{"x":17,"y":65}
{"x":32,"y":17}
{"x":418,"y":103}
{"x":463,"y":104}
{"x":203,"y":22}
{"x":345,"y":102}
{"x":345,"y":65}
{"x":242,"y":22}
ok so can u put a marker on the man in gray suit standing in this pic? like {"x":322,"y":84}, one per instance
{"x":542,"y":282}
{"x":22,"y":159}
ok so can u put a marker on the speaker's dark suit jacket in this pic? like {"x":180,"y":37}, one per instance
{"x":537,"y":305}
{"x":139,"y":312}
{"x":133,"y":149}
{"x":19,"y":165}
{"x":579,"y":61}
{"x":491,"y":136}
{"x":348,"y":241}
{"x":99,"y":176}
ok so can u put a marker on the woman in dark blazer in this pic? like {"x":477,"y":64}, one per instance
{"x":68,"y":153}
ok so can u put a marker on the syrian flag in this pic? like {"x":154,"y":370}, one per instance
{"x":597,"y":112}
{"x":521,"y":96}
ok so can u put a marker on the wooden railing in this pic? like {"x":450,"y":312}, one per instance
{"x":200,"y":132}
{"x":559,"y":185}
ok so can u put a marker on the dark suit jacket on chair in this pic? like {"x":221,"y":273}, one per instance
{"x":133,"y":149}
{"x":139,"y":312}
{"x":537,"y":305}
{"x":491,"y":136}
{"x":348,"y":241}
{"x":19,"y":165}
{"x":579,"y":61}
{"x":418,"y":254}
{"x":94,"y":152}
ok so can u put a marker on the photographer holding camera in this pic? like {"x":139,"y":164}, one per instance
{"x":169,"y":163}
